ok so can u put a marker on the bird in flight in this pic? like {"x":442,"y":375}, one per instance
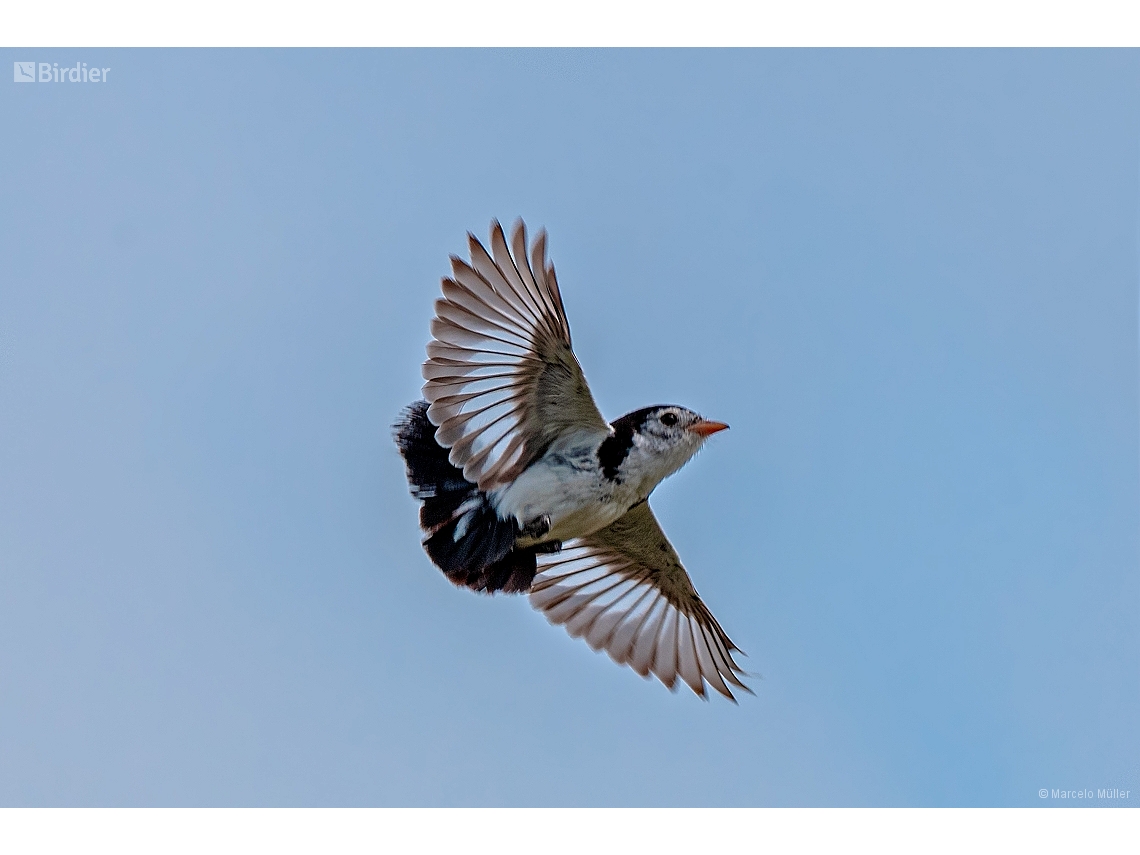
{"x":527,"y":489}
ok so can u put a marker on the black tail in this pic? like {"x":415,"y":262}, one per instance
{"x":465,"y":537}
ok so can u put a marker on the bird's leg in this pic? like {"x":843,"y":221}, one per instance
{"x":537,"y":527}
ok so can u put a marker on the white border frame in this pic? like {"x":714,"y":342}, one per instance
{"x":571,"y":23}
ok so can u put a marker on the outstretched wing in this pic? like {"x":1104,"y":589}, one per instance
{"x":502,"y":380}
{"x":624,"y":590}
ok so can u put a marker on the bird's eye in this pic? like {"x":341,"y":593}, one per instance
{"x":669,"y":419}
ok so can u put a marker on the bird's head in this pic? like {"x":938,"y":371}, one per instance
{"x":657,"y":441}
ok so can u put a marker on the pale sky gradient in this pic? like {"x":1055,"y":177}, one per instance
{"x":907,"y":279}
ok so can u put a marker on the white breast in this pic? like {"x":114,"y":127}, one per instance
{"x":567,"y":485}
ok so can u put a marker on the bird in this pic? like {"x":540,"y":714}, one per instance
{"x":525,"y":488}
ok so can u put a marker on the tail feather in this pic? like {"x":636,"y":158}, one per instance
{"x":465,"y":537}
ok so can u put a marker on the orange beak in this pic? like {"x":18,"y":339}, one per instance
{"x":706,"y":428}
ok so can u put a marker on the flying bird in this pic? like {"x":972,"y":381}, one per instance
{"x":526,"y":488}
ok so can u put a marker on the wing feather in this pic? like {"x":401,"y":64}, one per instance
{"x":507,"y":306}
{"x":623,"y":589}
{"x":646,"y":646}
{"x":624,"y":639}
{"x":490,"y":273}
{"x":665,"y":662}
{"x":501,"y":379}
{"x":496,"y":328}
{"x":547,"y":313}
{"x":687,"y":665}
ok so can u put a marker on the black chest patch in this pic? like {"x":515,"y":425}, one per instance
{"x":615,"y":449}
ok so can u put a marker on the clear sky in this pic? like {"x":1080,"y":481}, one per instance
{"x":907,"y":279}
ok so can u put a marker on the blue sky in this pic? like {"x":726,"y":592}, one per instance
{"x":907,"y":279}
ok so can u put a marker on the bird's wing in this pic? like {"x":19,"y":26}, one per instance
{"x":502,"y":380}
{"x":624,"y":590}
